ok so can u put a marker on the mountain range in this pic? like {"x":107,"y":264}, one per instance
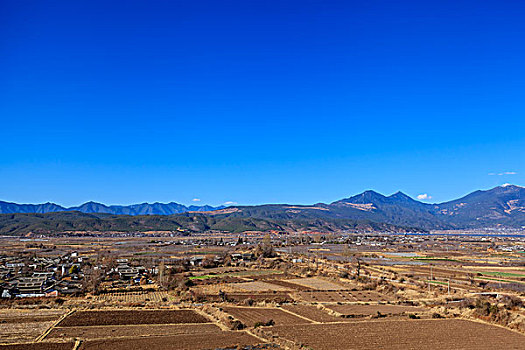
{"x":502,"y":206}
{"x":94,"y":207}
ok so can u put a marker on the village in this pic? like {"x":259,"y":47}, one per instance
{"x":260,"y":290}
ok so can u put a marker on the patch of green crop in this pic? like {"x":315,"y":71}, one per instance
{"x":437,"y":282}
{"x":501,"y":274}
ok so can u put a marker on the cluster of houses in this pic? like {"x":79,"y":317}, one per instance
{"x":132,"y":274}
{"x":72,"y":274}
{"x":62,"y":276}
{"x":40,"y":276}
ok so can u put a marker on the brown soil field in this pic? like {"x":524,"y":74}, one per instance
{"x":97,"y":332}
{"x":258,"y":286}
{"x":401,"y":335}
{"x":312,"y":312}
{"x":126,"y":317}
{"x":251,"y":315}
{"x":278,"y":297}
{"x":178,"y":342}
{"x":28,"y":319}
{"x":217,"y":280}
{"x":316,"y":283}
{"x":38,"y":346}
{"x":366,"y":310}
{"x":289,"y":285}
{"x":344,"y":296}
{"x":267,"y":276}
{"x":236,"y":297}
{"x":133,"y":297}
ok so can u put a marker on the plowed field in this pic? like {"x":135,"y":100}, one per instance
{"x":316,"y":283}
{"x":125,"y":317}
{"x":258,"y":286}
{"x":313,"y":313}
{"x":131,"y":331}
{"x":402,"y":335}
{"x":251,"y":315}
{"x":364,"y":310}
{"x":344,"y":296}
{"x":38,"y":346}
{"x":178,"y":342}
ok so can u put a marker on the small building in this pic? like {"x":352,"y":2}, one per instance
{"x":196,"y":260}
{"x":31,"y":287}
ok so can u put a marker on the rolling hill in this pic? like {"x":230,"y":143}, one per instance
{"x":502,"y":206}
{"x":62,"y":222}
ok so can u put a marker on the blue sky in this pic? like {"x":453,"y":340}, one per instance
{"x":259,"y":101}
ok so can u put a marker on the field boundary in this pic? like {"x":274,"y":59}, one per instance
{"x":303,"y":317}
{"x":77,"y":344}
{"x":46,"y":333}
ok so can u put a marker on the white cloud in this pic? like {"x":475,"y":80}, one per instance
{"x":424,"y":196}
{"x":230,"y":203}
{"x":503,"y":173}
{"x":196,"y":200}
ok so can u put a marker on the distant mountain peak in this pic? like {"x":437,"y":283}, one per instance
{"x":95,"y":207}
{"x":511,"y":186}
{"x":400,"y":194}
{"x":372,"y":192}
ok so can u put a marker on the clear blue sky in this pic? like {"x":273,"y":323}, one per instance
{"x":259,"y":101}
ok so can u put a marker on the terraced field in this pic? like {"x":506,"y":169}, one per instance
{"x":98,"y":332}
{"x":343,"y":296}
{"x":252,"y":315}
{"x":38,"y":346}
{"x":26,"y":325}
{"x":289,"y":285}
{"x":401,"y":335}
{"x":316,"y":283}
{"x":312,"y":312}
{"x":130,"y":317}
{"x":367,"y":310}
{"x":230,"y":340}
{"x":258,"y":286}
{"x":133,"y":297}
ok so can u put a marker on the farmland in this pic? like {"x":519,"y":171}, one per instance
{"x":343,"y":296}
{"x":130,"y":317}
{"x":250,"y":316}
{"x":178,"y":342}
{"x":39,"y":346}
{"x":133,"y":297}
{"x":258,"y":286}
{"x":399,"y":335}
{"x":312,"y":312}
{"x":26,"y":325}
{"x":367,"y":310}
{"x":180,"y":297}
{"x":101,"y":332}
{"x":316,"y":283}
